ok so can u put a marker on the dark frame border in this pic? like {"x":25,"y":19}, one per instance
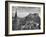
{"x":6,"y":18}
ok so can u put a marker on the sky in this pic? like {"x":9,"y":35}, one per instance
{"x":24,"y":11}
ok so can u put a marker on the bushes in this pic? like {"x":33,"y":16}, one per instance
{"x":30,"y":22}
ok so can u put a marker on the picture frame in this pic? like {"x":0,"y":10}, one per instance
{"x":20,"y":10}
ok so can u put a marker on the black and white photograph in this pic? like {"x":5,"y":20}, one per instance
{"x":24,"y":18}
